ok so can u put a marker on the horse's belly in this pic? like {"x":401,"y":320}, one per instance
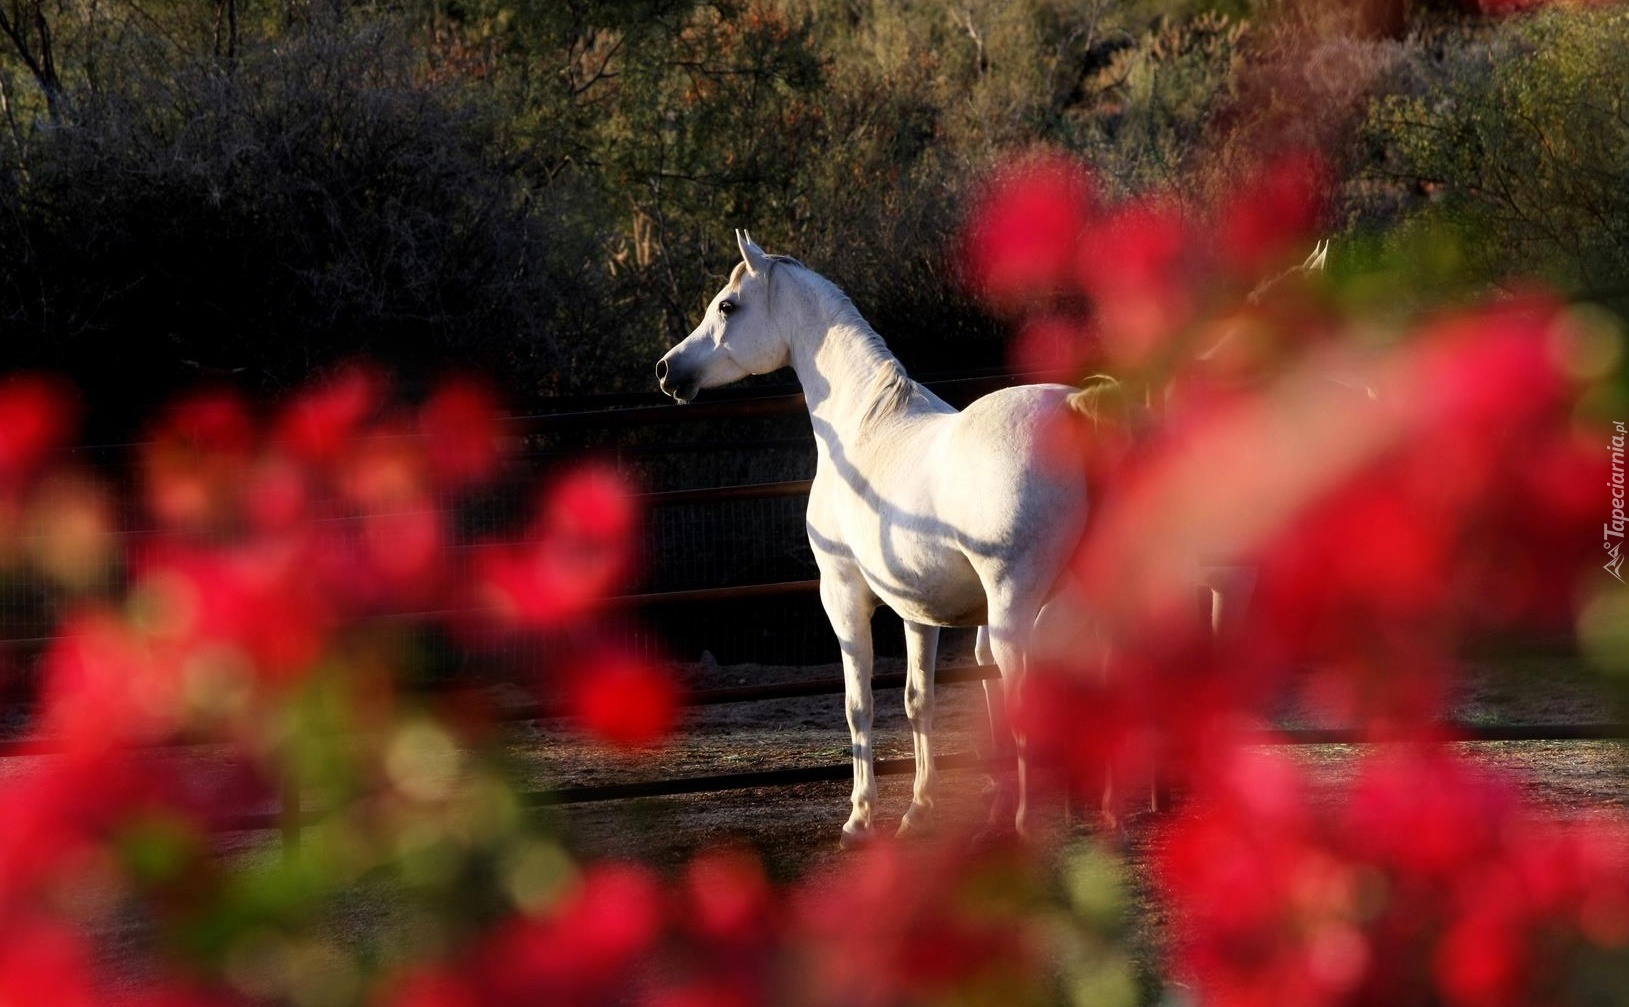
{"x":942,"y":592}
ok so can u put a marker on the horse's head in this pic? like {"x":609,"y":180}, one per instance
{"x":737,"y":336}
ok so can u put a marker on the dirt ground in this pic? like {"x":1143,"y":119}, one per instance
{"x":796,"y":828}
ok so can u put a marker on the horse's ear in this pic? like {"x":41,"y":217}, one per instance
{"x":757,"y":262}
{"x":1315,"y":261}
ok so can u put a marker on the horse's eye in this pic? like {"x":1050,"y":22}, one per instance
{"x":725,"y":307}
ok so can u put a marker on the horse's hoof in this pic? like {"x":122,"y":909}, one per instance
{"x":916,"y":826}
{"x":855,"y":838}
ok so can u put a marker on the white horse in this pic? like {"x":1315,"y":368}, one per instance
{"x":949,"y":518}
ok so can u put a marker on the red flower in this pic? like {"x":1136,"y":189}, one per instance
{"x":1367,"y":518}
{"x":320,"y":425}
{"x":625,"y":701}
{"x":257,"y":600}
{"x":104,"y":688}
{"x":593,"y":505}
{"x":37,"y":415}
{"x":196,"y":465}
{"x":46,"y":963}
{"x":586,"y":947}
{"x":1138,"y":268}
{"x":429,"y":987}
{"x":463,"y":431}
{"x":1021,"y":241}
{"x":1270,"y":215}
{"x":729,"y":898}
{"x":579,"y":548}
{"x":406,"y":548}
{"x":62,"y":815}
{"x":383,"y":471}
{"x":1431,"y":881}
{"x":902,"y":924}
{"x":1054,"y":348}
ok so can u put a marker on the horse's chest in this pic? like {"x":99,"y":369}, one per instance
{"x":903,"y":553}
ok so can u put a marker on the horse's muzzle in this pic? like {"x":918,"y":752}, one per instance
{"x":681,"y":387}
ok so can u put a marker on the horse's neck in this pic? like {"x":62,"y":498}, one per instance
{"x":852,"y":383}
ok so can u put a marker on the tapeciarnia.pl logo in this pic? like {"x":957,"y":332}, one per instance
{"x":1612,"y":531}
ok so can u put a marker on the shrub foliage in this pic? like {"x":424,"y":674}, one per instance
{"x":257,"y":189}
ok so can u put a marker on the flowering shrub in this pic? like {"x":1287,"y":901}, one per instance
{"x":1395,"y":486}
{"x":1428,"y":878}
{"x":251,"y":675}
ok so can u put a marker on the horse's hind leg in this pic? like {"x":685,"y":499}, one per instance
{"x":921,"y":654}
{"x":1012,"y":622}
{"x":1003,"y":789}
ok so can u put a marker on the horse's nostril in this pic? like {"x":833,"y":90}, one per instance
{"x":661,"y":370}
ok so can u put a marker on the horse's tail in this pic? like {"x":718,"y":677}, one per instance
{"x":1105,"y":402}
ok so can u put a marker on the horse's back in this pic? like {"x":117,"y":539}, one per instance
{"x":1017,"y":436}
{"x":1005,"y":474}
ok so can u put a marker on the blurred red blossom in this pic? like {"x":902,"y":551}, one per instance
{"x":59,"y":815}
{"x":1265,"y":218}
{"x":1374,"y":532}
{"x":255,"y":602}
{"x":1432,"y":879}
{"x":64,"y":841}
{"x":320,"y":425}
{"x":902,"y":924}
{"x":729,"y":898}
{"x":1054,"y":348}
{"x":578,"y":548}
{"x":624,"y":700}
{"x":584,"y":949}
{"x":103,"y":686}
{"x":47,"y":963}
{"x":429,"y":987}
{"x":336,"y":510}
{"x":1136,"y":264}
{"x":1023,"y":234}
{"x":383,"y":472}
{"x":463,"y":430}
{"x":196,"y":461}
{"x":1148,"y":268}
{"x":37,"y":416}
{"x":43,"y":962}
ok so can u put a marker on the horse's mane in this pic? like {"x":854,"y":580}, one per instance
{"x":891,"y":389}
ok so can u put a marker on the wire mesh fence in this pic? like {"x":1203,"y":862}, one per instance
{"x":753,"y":451}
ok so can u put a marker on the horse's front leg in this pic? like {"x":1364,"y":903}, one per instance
{"x":921,"y":656}
{"x":849,"y":608}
